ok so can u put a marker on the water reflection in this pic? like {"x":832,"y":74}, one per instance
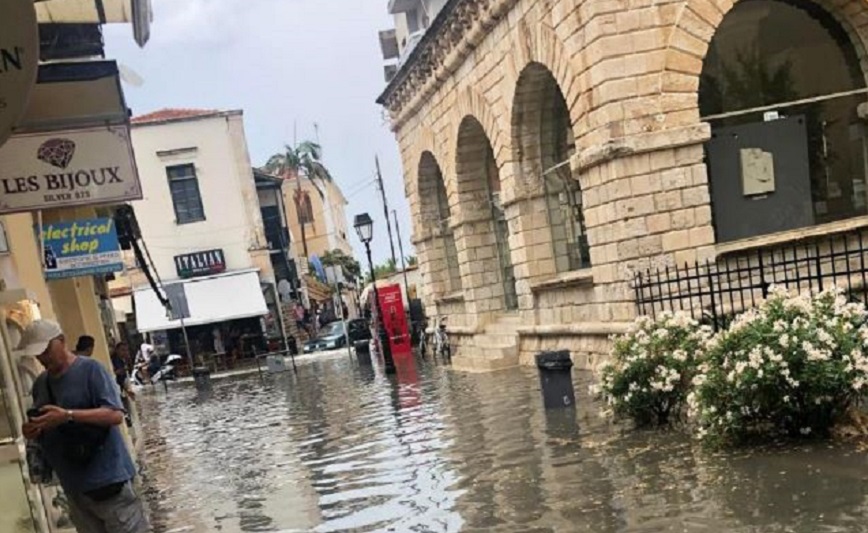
{"x":340,"y":446}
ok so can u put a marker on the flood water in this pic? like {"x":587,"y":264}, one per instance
{"x":341,"y":447}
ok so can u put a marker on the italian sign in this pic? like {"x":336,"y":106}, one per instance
{"x":81,"y":248}
{"x":70,"y":168}
{"x":19,"y":59}
{"x":200,"y":263}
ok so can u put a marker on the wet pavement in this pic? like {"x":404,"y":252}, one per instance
{"x":341,"y":447}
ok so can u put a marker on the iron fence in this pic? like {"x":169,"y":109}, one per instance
{"x":715,"y":291}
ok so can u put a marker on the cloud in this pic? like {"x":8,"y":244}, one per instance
{"x":201,"y":23}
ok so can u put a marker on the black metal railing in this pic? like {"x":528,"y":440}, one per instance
{"x":715,"y":291}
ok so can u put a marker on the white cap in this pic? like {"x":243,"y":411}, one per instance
{"x":38,"y":335}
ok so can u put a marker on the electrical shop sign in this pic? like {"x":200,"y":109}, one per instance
{"x":19,"y":60}
{"x":80,"y":248}
{"x":71,"y":168}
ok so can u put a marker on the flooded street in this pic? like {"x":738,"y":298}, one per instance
{"x":340,"y":447}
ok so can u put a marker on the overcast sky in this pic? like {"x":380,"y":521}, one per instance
{"x":282,"y":62}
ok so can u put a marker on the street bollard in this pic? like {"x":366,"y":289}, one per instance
{"x":556,"y":378}
{"x":202,"y":378}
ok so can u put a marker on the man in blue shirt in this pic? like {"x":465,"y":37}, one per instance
{"x":78,"y":413}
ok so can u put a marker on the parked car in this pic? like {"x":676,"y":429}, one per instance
{"x":331,"y":336}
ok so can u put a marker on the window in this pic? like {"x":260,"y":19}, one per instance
{"x":304,"y":207}
{"x":184,"y":188}
{"x":412,"y":21}
{"x":776,"y":160}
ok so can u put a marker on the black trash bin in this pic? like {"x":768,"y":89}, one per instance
{"x":363,"y":351}
{"x":556,"y":378}
{"x":202,"y":378}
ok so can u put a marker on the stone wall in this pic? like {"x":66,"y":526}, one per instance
{"x":628,"y":74}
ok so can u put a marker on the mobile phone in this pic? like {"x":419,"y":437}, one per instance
{"x":34,"y":412}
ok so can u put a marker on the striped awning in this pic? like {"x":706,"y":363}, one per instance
{"x":136,"y":12}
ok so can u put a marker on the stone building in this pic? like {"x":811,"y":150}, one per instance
{"x":554,"y":148}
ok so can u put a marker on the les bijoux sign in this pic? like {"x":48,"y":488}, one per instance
{"x":69,"y":168}
{"x":19,"y":60}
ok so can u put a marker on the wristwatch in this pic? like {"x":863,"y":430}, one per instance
{"x":69,"y":416}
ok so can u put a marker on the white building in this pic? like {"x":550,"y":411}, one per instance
{"x":201,"y":221}
{"x":412,"y":20}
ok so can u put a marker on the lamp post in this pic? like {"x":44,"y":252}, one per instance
{"x":365,"y":229}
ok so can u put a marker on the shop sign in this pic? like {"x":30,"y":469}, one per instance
{"x":70,"y":168}
{"x":19,"y":60}
{"x":200,"y":264}
{"x":80,"y":248}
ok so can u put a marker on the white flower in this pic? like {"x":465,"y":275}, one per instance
{"x":786,"y":399}
{"x":805,"y":431}
{"x":661,"y":333}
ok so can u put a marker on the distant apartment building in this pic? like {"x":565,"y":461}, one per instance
{"x":412,"y":20}
{"x":202,"y":220}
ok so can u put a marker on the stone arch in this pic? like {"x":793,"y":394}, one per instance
{"x":775,"y":52}
{"x":483,"y":232}
{"x":473,"y":104}
{"x":424,"y":143}
{"x":539,"y":43}
{"x":438,"y":246}
{"x":550,"y":202}
{"x":697,"y":22}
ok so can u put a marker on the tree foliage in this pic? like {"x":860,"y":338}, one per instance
{"x":352,"y":269}
{"x":305,"y":159}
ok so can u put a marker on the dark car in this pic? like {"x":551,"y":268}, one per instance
{"x":331,"y":336}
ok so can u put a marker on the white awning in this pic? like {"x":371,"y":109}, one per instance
{"x":137,"y":12}
{"x":213,"y":299}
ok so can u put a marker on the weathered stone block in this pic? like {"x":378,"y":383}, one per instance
{"x":676,"y":240}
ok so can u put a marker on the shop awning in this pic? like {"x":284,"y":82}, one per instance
{"x":137,"y":12}
{"x":210,"y":300}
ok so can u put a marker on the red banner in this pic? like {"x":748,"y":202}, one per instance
{"x":395,"y":320}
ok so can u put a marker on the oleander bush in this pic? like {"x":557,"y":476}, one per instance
{"x":791,"y":367}
{"x":649,"y":374}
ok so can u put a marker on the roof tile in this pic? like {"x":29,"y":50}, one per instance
{"x":166,"y":115}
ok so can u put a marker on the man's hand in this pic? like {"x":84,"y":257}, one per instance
{"x":31,"y":431}
{"x":51,"y":416}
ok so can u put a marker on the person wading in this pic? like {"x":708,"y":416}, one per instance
{"x":85,"y":346}
{"x":77,"y":411}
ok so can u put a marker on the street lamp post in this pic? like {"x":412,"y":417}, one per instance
{"x":365,"y":229}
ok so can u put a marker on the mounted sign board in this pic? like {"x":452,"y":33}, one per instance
{"x":200,"y":264}
{"x":81,"y":248}
{"x":69,"y":168}
{"x":19,"y":59}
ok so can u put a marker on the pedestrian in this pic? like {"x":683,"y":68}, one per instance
{"x":217,"y":335}
{"x":85,"y":346}
{"x":120,"y":364}
{"x":77,"y":411}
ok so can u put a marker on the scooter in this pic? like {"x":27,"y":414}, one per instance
{"x":165,"y":373}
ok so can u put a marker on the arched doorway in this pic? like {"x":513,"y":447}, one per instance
{"x":544,"y":142}
{"x":441,"y":252}
{"x":486,"y":230}
{"x":787,"y":148}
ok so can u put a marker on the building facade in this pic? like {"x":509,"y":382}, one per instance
{"x":319,"y":205}
{"x":554,"y":149}
{"x":412,"y":19}
{"x":64,"y":118}
{"x":202,"y":221}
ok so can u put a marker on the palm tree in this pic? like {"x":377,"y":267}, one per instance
{"x":304,"y":159}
